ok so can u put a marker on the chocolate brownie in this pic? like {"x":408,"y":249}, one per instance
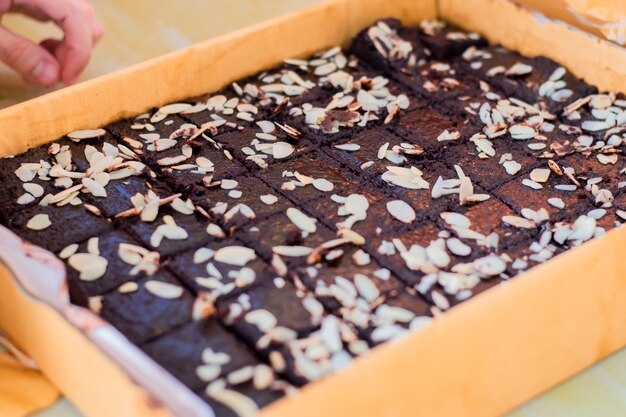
{"x":372,"y":150}
{"x":220,"y":267}
{"x":263,"y":145}
{"x":528,"y":79}
{"x":235,"y":202}
{"x":307,"y":177}
{"x":146,"y":309}
{"x":54,"y":228}
{"x":446,"y":41}
{"x":199,"y":350}
{"x":296,"y":242}
{"x":126,"y":261}
{"x":173,"y":230}
{"x":287,"y":327}
{"x":25,"y":180}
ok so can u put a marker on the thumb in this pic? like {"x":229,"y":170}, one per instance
{"x":32,"y":61}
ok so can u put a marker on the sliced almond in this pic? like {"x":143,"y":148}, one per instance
{"x":456,"y":219}
{"x":39,"y":222}
{"x":174,"y":108}
{"x":457,"y":247}
{"x":490,"y":265}
{"x":269,"y":199}
{"x":94,"y":188}
{"x":323,"y":185}
{"x":68,"y":251}
{"x":540,"y":175}
{"x":292,"y":251}
{"x":86,"y":134}
{"x":401,"y":211}
{"x":35,"y":189}
{"x":519,"y":222}
{"x":234,"y":255}
{"x":301,"y":220}
{"x":164,"y":290}
{"x":91,"y":267}
{"x":282,"y":150}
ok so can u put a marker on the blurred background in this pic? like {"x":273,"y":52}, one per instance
{"x":137,"y":30}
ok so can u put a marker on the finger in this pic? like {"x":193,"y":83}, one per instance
{"x":51,"y":45}
{"x":97,"y":31}
{"x":30,"y":10}
{"x":32,"y":61}
{"x":76,"y":46}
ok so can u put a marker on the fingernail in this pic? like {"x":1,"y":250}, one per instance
{"x":46,"y":73}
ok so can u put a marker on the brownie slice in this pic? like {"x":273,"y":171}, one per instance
{"x":293,"y":245}
{"x":220,"y":267}
{"x":434,"y":130}
{"x":359,"y":208}
{"x":118,"y":270}
{"x":371,"y":151}
{"x":171,"y":232}
{"x":528,"y":79}
{"x":234,"y":202}
{"x":54,"y":228}
{"x":445,"y":41}
{"x":307,"y":177}
{"x":279,"y":322}
{"x":148,"y":308}
{"x":487,"y":161}
{"x":203,"y":344}
{"x":17,"y":173}
{"x":261,"y":146}
{"x":389,"y":45}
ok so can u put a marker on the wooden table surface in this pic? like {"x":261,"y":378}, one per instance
{"x":141,"y":29}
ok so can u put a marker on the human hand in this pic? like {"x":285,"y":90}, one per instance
{"x":52,"y":60}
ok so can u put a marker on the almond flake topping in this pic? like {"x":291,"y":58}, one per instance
{"x":400,"y":210}
{"x":540,"y":174}
{"x":164,"y":290}
{"x":86,"y":134}
{"x":91,"y":267}
{"x":39,"y":222}
{"x":301,"y":220}
{"x":234,"y":255}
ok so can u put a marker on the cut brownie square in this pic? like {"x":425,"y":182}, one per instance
{"x":528,"y":79}
{"x":445,"y":40}
{"x":390,"y":46}
{"x":283,"y":324}
{"x":416,"y":183}
{"x":434,"y":130}
{"x":112,"y":247}
{"x":340,"y":277}
{"x":307,"y":177}
{"x":25,"y":180}
{"x":144,"y":133}
{"x":506,"y":158}
{"x":220,"y":267}
{"x":263,"y":145}
{"x":293,"y":245}
{"x":358,"y":208}
{"x":372,"y":150}
{"x":121,"y":193}
{"x":199,"y":350}
{"x":81,"y":151}
{"x":171,"y":232}
{"x":148,"y":308}
{"x":54,"y":228}
{"x":558,"y":193}
{"x":237,"y":201}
